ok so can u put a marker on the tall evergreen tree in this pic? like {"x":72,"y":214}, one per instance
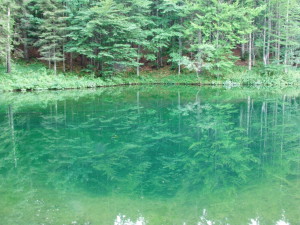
{"x":52,"y":32}
{"x":216,"y":28}
{"x":108,"y":36}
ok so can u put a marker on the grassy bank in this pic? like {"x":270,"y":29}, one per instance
{"x":36,"y":76}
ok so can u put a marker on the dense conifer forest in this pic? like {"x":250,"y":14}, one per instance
{"x":108,"y":37}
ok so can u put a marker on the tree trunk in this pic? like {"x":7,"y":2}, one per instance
{"x":180,"y":55}
{"x":82,"y":59}
{"x":161,"y":58}
{"x":64,"y":61}
{"x":157,"y":60}
{"x":49,"y":60}
{"x":265,"y":40}
{"x":26,"y":55}
{"x":269,"y":34}
{"x":243,"y":51}
{"x":199,"y":67}
{"x":287,"y":37}
{"x":250,"y":52}
{"x":253,"y":49}
{"x":55,"y":69}
{"x":138,"y":61}
{"x":180,"y":49}
{"x":25,"y":36}
{"x":71,"y":61}
{"x":278,"y":35}
{"x":8,"y":48}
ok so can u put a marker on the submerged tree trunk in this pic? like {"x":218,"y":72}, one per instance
{"x":282,"y":126}
{"x":248,"y":114}
{"x":179,"y":115}
{"x":65,"y":112}
{"x":138,"y":101}
{"x":266,"y":124}
{"x":198,"y":102}
{"x":12,"y":130}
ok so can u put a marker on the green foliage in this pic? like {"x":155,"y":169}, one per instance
{"x":108,"y":35}
{"x":51,"y":31}
{"x":112,"y":36}
{"x":35,"y":76}
{"x":214,"y":31}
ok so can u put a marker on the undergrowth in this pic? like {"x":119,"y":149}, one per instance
{"x":35,"y":76}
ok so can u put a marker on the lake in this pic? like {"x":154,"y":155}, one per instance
{"x":150,"y":155}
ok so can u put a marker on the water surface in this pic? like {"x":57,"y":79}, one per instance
{"x":157,"y":155}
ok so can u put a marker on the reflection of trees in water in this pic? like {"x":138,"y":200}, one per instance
{"x":157,"y":147}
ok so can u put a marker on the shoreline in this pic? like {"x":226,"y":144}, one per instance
{"x":114,"y":85}
{"x":142,"y":84}
{"x":35,"y":77}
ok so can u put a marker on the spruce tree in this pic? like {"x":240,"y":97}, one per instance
{"x":51,"y":32}
{"x":215,"y":29}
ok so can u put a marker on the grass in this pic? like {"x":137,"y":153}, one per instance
{"x":266,"y":76}
{"x":35,"y":76}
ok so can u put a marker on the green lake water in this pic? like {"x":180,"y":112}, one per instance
{"x":150,"y":155}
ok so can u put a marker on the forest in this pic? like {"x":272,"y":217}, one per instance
{"x":109,"y":37}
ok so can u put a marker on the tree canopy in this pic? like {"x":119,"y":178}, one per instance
{"x":109,"y":36}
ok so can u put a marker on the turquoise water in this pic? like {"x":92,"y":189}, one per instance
{"x":156,"y":155}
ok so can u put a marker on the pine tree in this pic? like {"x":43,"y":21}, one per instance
{"x":138,"y":13}
{"x":51,"y":32}
{"x":215,"y":30}
{"x":110,"y":34}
